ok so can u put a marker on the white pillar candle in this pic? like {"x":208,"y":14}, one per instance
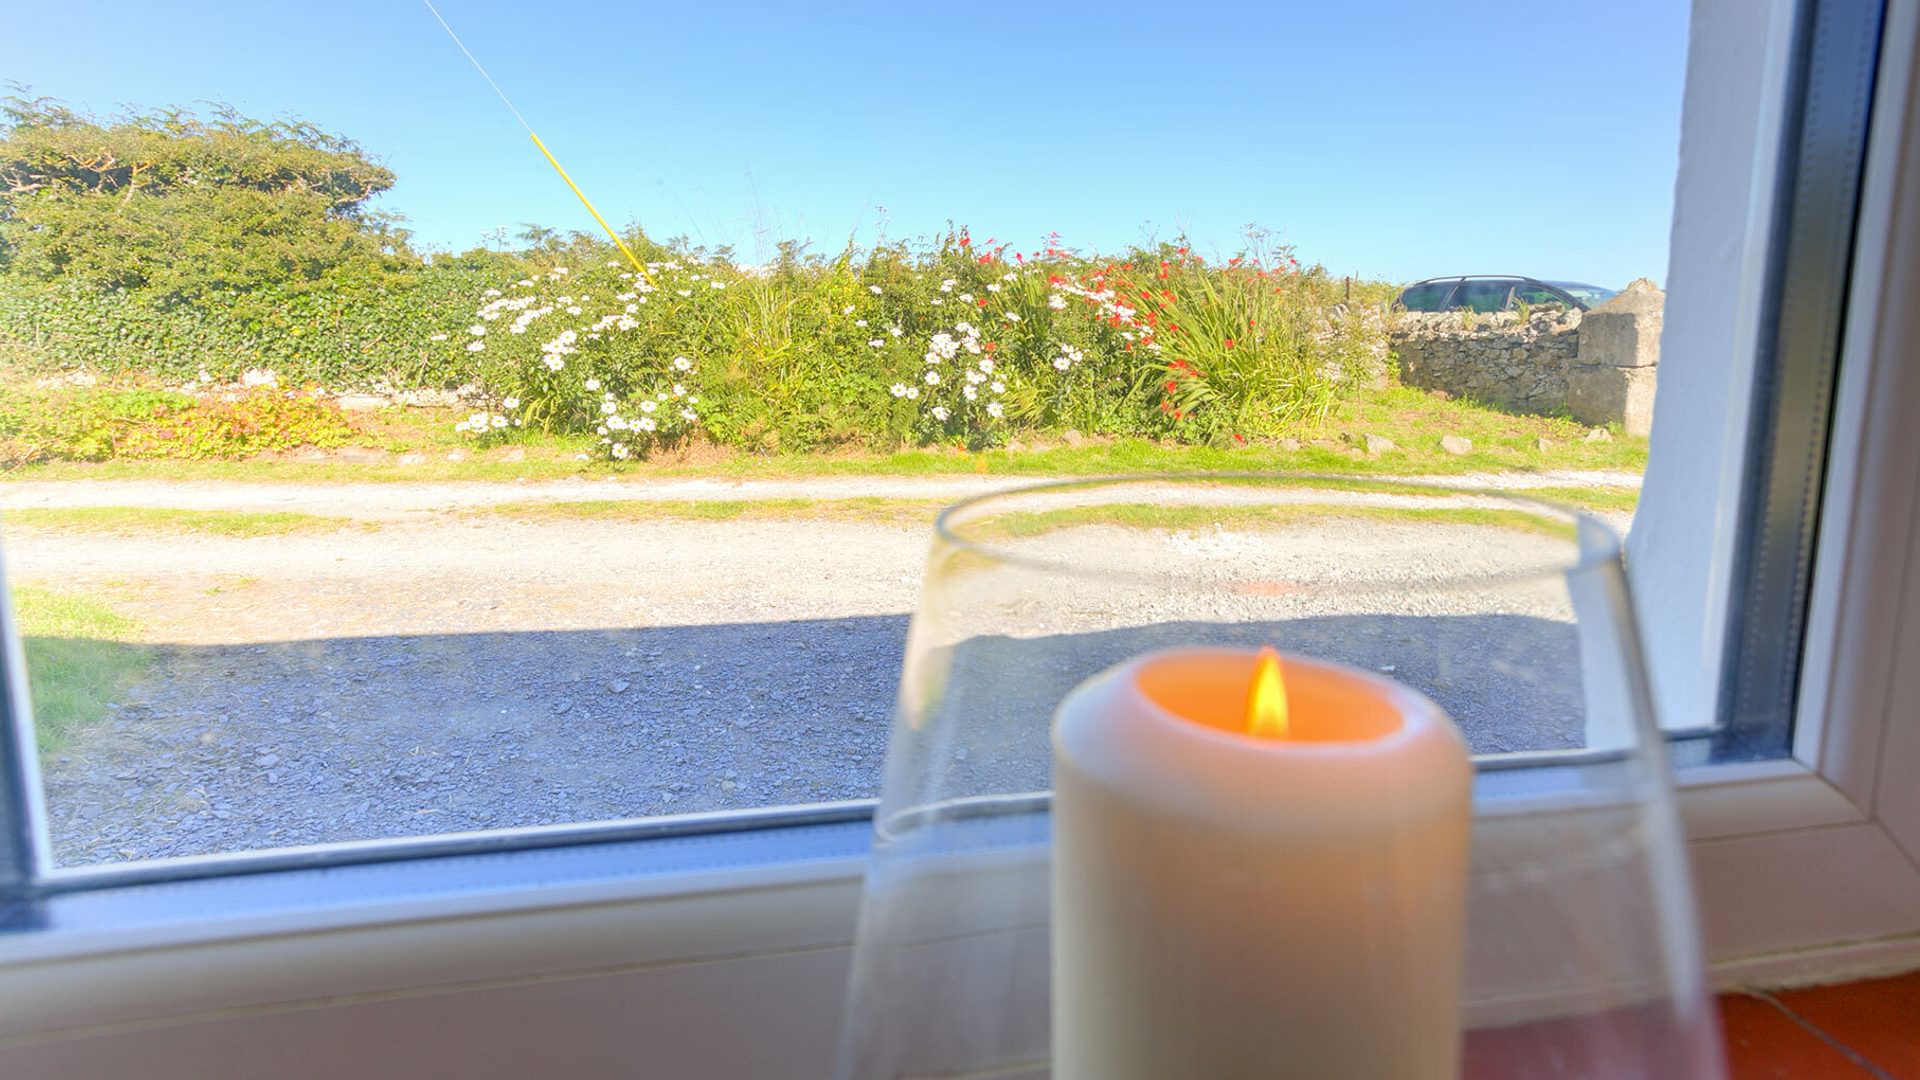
{"x":1267,"y":903}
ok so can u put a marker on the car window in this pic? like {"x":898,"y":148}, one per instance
{"x":1426,"y":297}
{"x":1537,"y":294}
{"x":1483,"y":295}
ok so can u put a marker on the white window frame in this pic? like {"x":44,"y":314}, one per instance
{"x":1805,"y":867}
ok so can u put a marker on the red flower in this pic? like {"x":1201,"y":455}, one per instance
{"x":1229,"y":343}
{"x":980,"y":300}
{"x":1235,"y":261}
{"x":1056,"y":279}
{"x":1163,"y":273}
{"x":1166,"y":294}
{"x":1172,"y":386}
{"x":1242,"y":439}
{"x":1182,"y":251}
{"x":1178,"y":415}
{"x":1166,"y":406}
{"x":990,"y":346}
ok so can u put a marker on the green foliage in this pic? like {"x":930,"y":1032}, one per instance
{"x":179,"y":208}
{"x":78,"y":424}
{"x":952,"y":345}
{"x":188,"y":250}
{"x":352,"y":333}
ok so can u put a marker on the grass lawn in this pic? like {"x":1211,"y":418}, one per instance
{"x":78,"y":659}
{"x":1414,"y":420}
{"x":126,"y":520}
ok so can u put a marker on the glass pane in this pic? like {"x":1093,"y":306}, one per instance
{"x":1425,"y":297}
{"x":1483,"y":295}
{"x":327,"y":525}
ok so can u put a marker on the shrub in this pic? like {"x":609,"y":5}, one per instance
{"x":955,"y":344}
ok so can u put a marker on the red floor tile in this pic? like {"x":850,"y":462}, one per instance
{"x":1879,"y":1019}
{"x":1764,"y":1043}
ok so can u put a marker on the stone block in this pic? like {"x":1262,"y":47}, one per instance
{"x":1606,"y":395}
{"x":1621,"y":339}
{"x":1624,"y":332}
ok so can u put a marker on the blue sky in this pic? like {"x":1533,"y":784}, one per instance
{"x":1397,"y":138}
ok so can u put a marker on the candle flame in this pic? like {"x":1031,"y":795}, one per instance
{"x":1267,"y":698}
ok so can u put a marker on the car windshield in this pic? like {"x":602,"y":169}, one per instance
{"x":1589,"y":295}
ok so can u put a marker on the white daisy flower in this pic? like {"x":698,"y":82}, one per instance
{"x":510,"y":404}
{"x":648,"y":406}
{"x":899,"y":389}
{"x":940,"y":413}
{"x":933,"y":378}
{"x":994,"y":409}
{"x":593,"y":384}
{"x":874,"y":289}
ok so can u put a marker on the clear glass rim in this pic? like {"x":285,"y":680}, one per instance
{"x":1594,"y":545}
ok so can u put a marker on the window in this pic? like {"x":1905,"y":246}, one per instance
{"x":1798,"y":846}
{"x":1537,"y":294}
{"x":1426,"y":297}
{"x":1482,"y":296}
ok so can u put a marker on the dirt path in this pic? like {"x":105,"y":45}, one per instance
{"x":448,"y":672}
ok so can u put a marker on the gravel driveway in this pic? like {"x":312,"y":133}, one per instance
{"x":447,"y":673}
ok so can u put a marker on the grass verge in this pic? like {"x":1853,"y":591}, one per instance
{"x":124,"y":520}
{"x":1023,"y":524}
{"x":871,"y":510}
{"x":79,"y":659}
{"x":1414,"y":420}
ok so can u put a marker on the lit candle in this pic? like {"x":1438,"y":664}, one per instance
{"x":1256,"y":881}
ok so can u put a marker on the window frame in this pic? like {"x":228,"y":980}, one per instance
{"x":1804,"y":865}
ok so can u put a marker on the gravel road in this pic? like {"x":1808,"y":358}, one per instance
{"x":446,"y":672}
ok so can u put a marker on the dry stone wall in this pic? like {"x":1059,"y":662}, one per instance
{"x":1600,"y":366}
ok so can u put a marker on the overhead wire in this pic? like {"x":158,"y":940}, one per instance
{"x":546,"y":153}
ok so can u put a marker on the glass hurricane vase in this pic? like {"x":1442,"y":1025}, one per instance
{"x":1580,"y":956}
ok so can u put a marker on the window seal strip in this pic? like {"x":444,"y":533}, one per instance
{"x":1815,"y":217}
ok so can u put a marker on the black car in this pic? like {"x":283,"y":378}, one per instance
{"x":1494,"y":293}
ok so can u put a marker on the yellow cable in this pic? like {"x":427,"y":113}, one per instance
{"x":611,"y":235}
